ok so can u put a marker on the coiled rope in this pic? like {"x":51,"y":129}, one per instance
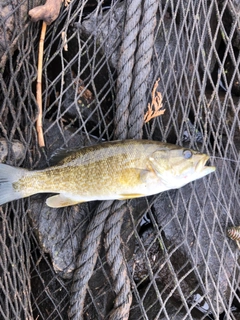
{"x":133,"y":71}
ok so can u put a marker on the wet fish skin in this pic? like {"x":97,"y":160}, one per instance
{"x":111,"y":170}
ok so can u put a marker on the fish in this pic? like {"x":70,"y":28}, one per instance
{"x":116,"y":170}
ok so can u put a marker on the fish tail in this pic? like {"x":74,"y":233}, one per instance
{"x":8,"y":176}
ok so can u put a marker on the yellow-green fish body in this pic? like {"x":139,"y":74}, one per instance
{"x":112,"y":170}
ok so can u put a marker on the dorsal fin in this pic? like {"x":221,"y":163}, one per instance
{"x":60,"y":154}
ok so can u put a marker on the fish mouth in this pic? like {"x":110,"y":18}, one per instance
{"x":201,"y":166}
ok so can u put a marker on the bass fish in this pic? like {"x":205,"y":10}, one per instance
{"x":111,"y":170}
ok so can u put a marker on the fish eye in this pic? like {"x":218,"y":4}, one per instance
{"x":187,"y":154}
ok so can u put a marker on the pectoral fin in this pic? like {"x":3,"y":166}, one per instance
{"x":147,"y":176}
{"x":60,"y":201}
{"x":134,"y":176}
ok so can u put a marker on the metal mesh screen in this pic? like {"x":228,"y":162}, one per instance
{"x":102,"y":58}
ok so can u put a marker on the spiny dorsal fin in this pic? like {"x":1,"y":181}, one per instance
{"x":60,"y":154}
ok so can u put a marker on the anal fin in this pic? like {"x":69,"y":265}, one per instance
{"x":60,"y":201}
{"x":130,"y":196}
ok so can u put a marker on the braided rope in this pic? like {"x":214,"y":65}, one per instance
{"x":117,"y":263}
{"x":131,"y":103}
{"x":86,"y":261}
{"x":142,"y":69}
{"x":125,"y":67}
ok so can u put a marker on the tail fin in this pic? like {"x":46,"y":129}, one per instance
{"x":9,"y":175}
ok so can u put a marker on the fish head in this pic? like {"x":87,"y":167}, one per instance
{"x":177,"y":166}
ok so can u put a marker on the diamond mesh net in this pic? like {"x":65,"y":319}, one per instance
{"x":101,"y":61}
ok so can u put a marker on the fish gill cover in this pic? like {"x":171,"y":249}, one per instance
{"x":156,"y":70}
